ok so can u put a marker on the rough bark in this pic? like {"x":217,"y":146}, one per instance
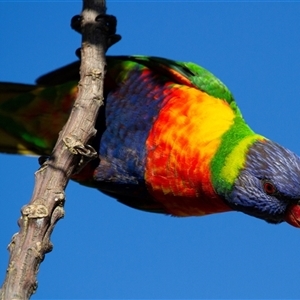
{"x":38,"y":218}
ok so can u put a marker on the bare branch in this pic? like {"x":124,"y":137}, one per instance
{"x":38,"y":218}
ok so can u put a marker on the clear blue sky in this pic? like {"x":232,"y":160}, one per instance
{"x":103,"y":249}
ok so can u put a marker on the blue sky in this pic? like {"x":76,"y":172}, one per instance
{"x":103,"y":249}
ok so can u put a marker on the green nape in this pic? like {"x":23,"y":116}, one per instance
{"x":231,"y":155}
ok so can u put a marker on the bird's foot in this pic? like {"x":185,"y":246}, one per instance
{"x":76,"y":23}
{"x":108,"y":24}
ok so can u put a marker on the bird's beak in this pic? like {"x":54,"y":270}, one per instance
{"x":293,"y":215}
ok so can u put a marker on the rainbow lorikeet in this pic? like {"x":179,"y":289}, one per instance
{"x":170,"y":140}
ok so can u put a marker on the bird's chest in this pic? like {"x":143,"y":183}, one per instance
{"x":164,"y":137}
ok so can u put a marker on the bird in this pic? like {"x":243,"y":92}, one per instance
{"x":170,"y":139}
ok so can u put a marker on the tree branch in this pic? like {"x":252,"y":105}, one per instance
{"x":38,"y":218}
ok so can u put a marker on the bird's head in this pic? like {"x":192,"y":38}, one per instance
{"x":268,"y":185}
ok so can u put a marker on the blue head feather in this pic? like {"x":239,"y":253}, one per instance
{"x":268,"y":183}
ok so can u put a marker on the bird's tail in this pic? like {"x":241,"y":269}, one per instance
{"x":31,"y":116}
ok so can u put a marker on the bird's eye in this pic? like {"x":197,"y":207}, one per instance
{"x":269,"y":187}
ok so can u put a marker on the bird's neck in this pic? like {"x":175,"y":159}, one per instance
{"x":231,"y":155}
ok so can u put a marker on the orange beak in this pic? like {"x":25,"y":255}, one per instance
{"x":293,"y":215}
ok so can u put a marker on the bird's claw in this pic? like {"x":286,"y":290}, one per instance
{"x":109,"y":25}
{"x":110,"y":28}
{"x":76,"y":23}
{"x":78,"y":53}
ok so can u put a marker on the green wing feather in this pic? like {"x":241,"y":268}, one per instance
{"x":31,"y":116}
